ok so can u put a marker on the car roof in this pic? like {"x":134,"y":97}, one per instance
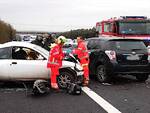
{"x":26,"y":45}
{"x":17,"y":43}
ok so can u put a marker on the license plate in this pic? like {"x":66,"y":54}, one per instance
{"x":133,"y":57}
{"x":79,"y":73}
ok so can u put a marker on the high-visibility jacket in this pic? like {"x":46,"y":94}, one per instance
{"x":82,"y":53}
{"x":56,"y":56}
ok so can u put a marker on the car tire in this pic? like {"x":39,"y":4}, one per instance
{"x":64,"y":78}
{"x":142,"y":77}
{"x":102,"y":75}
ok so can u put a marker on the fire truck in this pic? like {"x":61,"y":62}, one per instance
{"x":137,"y":27}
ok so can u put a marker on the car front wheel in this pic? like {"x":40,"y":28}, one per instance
{"x":102,"y":75}
{"x":142,"y":77}
{"x":64,"y":78}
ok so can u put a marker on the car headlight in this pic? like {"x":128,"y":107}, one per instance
{"x":78,"y":67}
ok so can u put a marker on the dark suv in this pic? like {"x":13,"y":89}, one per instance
{"x":118,"y":56}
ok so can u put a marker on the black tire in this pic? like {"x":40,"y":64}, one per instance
{"x":64,"y":78}
{"x":102,"y":75}
{"x":35,"y":91}
{"x":142,"y":77}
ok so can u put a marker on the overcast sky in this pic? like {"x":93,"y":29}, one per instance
{"x":63,"y":15}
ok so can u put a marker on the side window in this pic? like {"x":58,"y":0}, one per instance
{"x":99,"y":28}
{"x":5,"y":53}
{"x":90,"y":44}
{"x":108,"y":27}
{"x":19,"y":53}
{"x":22,"y":53}
{"x":33,"y":55}
{"x":94,"y":44}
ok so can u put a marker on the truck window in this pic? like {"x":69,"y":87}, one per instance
{"x":99,"y":28}
{"x":108,"y":27}
{"x":134,"y":28}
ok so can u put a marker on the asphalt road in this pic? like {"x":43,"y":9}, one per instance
{"x":124,"y":93}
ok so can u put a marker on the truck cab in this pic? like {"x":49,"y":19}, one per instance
{"x":134,"y":27}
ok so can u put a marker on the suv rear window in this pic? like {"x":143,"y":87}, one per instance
{"x":95,"y":44}
{"x":129,"y":45}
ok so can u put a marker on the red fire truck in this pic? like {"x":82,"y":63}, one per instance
{"x":137,"y":27}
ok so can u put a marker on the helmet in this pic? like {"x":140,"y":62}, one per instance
{"x":61,"y":39}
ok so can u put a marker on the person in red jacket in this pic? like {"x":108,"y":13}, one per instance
{"x":83,"y":56}
{"x":55,"y":60}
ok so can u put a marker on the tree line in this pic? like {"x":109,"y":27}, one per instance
{"x":7,"y":32}
{"x":87,"y":33}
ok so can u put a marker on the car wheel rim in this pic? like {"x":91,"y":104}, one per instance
{"x":63,"y":79}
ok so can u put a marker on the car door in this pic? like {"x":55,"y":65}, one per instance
{"x":5,"y":58}
{"x":28,"y":68}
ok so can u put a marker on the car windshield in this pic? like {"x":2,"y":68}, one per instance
{"x":129,"y":45}
{"x":134,"y":28}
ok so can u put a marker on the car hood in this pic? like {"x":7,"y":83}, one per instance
{"x":72,"y":65}
{"x":68,"y":64}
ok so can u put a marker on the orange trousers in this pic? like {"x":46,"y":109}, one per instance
{"x":86,"y":72}
{"x":84,"y":63}
{"x":54,"y":73}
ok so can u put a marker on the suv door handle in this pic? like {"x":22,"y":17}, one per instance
{"x":14,"y":63}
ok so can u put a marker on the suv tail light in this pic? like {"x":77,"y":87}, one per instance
{"x":148,"y":49}
{"x":111,"y":54}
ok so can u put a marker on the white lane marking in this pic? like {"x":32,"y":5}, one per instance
{"x":99,"y":100}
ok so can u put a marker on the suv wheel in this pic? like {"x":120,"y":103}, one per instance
{"x":102,"y":74}
{"x":142,"y":77}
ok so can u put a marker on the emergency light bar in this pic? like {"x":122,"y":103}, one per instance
{"x":135,"y":17}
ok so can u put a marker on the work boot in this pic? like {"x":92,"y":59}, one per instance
{"x":85,"y":82}
{"x":54,"y":86}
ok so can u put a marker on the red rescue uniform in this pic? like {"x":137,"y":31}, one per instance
{"x":55,"y":61}
{"x":83,"y":56}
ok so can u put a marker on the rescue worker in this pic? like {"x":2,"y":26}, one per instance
{"x":82,"y":53}
{"x":48,"y":40}
{"x":38,"y":41}
{"x":55,"y":60}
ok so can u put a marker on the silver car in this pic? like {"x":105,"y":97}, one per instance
{"x":22,"y":61}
